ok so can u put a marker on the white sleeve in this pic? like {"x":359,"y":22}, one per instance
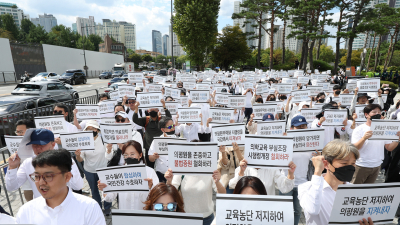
{"x":110,"y":197}
{"x":380,"y":102}
{"x":76,"y":182}
{"x":353,"y":104}
{"x":310,"y":194}
{"x":176,"y":181}
{"x":16,"y":177}
{"x":234,"y":180}
{"x":283,"y":183}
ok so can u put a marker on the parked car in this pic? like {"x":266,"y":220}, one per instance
{"x":113,"y":87}
{"x":56,"y":90}
{"x":162,"y":72}
{"x":117,"y":74}
{"x":105,"y":75}
{"x":116,"y":79}
{"x":73,"y":77}
{"x":43,"y":76}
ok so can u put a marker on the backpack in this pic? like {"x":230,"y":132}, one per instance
{"x":115,"y":159}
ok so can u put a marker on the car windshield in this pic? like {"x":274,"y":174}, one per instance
{"x":114,"y":86}
{"x":28,"y":87}
{"x":41,"y":74}
{"x":117,"y":79}
{"x":67,"y":74}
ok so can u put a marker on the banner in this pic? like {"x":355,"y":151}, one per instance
{"x":74,"y":141}
{"x":123,"y":217}
{"x":356,"y":202}
{"x":221,"y":115}
{"x":262,"y":88}
{"x":289,"y":80}
{"x":12,"y":143}
{"x":351,"y":86}
{"x":200,"y":96}
{"x":346,"y":99}
{"x":173,"y":92}
{"x":135,"y":77}
{"x":158,"y":79}
{"x":301,"y":96}
{"x":126,"y":90}
{"x":56,"y":124}
{"x":189,"y":115}
{"x":149,"y":98}
{"x":183,"y":100}
{"x":107,"y":106}
{"x":237,"y":101}
{"x":193,"y":158}
{"x":260,"y":109}
{"x":268,"y":152}
{"x":225,"y":134}
{"x":368,"y":84}
{"x":154,"y":87}
{"x":271,"y":128}
{"x":222,"y":99}
{"x":117,"y":133}
{"x":254,"y":209}
{"x":305,"y":140}
{"x":124,"y":178}
{"x":334,"y":117}
{"x":88,"y":112}
{"x":385,"y":130}
{"x":315,"y":90}
{"x":160,"y":144}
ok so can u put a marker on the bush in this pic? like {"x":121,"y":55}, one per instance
{"x":391,"y":84}
{"x":392,"y":68}
{"x":324,"y":66}
{"x":286,"y":66}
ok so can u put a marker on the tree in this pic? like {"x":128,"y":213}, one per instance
{"x":9,"y":25}
{"x":231,"y":47}
{"x":326,"y":53}
{"x":355,"y":58}
{"x":96,"y":40}
{"x":136,"y":58}
{"x":393,"y":20}
{"x":26,"y":26}
{"x":64,"y":36}
{"x":160,"y":59}
{"x":6,"y":34}
{"x":196,"y":26}
{"x":37,"y":34}
{"x":284,"y":16}
{"x":85,"y":41}
{"x":130,"y":51}
{"x":147,"y":58}
{"x":181,"y":60}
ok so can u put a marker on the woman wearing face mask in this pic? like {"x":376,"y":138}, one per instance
{"x":94,"y":160}
{"x":364,"y":99}
{"x":132,"y":154}
{"x":317,"y":196}
{"x":320,"y":98}
{"x":164,"y":197}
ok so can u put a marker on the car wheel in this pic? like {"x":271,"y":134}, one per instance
{"x":84,"y":81}
{"x":73,"y":82}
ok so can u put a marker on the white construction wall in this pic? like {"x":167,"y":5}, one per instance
{"x":6,"y":60}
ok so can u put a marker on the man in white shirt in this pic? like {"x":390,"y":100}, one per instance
{"x":42,"y":140}
{"x":371,"y":151}
{"x":58,"y":204}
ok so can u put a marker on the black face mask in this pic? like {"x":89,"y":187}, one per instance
{"x":170,"y":132}
{"x":376,"y":117}
{"x":272,"y":99}
{"x":130,"y":161}
{"x":321,"y":100}
{"x":283,"y":98}
{"x":259,"y":100}
{"x":153,"y":114}
{"x":337,"y":92}
{"x":344,"y":173}
{"x":94,"y":133}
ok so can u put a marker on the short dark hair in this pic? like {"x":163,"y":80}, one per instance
{"x":27,"y":123}
{"x":320,"y":94}
{"x":104,"y":95}
{"x":397,"y":104}
{"x":61,"y":105}
{"x":335,"y":87}
{"x":118,"y":105}
{"x":163,"y":122}
{"x":371,"y":107}
{"x":169,"y":97}
{"x":249,"y":181}
{"x":59,"y":158}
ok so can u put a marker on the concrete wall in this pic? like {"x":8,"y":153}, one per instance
{"x":58,"y":59}
{"x":6,"y":60}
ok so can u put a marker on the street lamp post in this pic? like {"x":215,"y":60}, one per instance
{"x":172,"y":38}
{"x":84,"y":54}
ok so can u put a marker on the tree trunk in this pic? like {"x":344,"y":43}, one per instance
{"x":370,"y":53}
{"x":259,"y":45}
{"x":305,"y":52}
{"x":320,"y":39}
{"x":377,"y":52}
{"x":362,"y":54}
{"x":310,"y":56}
{"x":284,"y":38}
{"x":389,"y":50}
{"x":338,"y":42}
{"x":271,"y":45}
{"x":302,"y":56}
{"x":391,"y":54}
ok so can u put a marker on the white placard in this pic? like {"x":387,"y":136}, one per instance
{"x":356,"y":202}
{"x":189,"y":85}
{"x":271,"y":128}
{"x":81,"y":140}
{"x":283,"y":88}
{"x":260,"y":109}
{"x":199,"y":96}
{"x":385,"y":130}
{"x":171,"y":106}
{"x":124,"y":178}
{"x":107,"y":106}
{"x":368,"y":84}
{"x":154,"y":87}
{"x":158,"y":79}
{"x":126,"y":90}
{"x":248,"y":85}
{"x":225,"y":134}
{"x":56,"y":124}
{"x":310,"y":114}
{"x":173,"y":92}
{"x":189,"y":115}
{"x":123,"y":217}
{"x":237,"y":101}
{"x":334,"y":117}
{"x":117,"y":133}
{"x":135,"y":77}
{"x":301,"y":96}
{"x":305,"y":140}
{"x":88,"y":111}
{"x":183,"y":100}
{"x":193,"y":158}
{"x":12,"y":143}
{"x":201,"y":86}
{"x":359,"y":110}
{"x":149,"y":98}
{"x":222,"y":99}
{"x":315,"y":90}
{"x":351,"y":86}
{"x":303,"y":80}
{"x":114,"y":95}
{"x":107,"y":120}
{"x":268,"y":151}
{"x":160,"y":144}
{"x":220,"y":115}
{"x":262,"y":88}
{"x":298,"y":73}
{"x":254,"y":209}
{"x":346,"y":99}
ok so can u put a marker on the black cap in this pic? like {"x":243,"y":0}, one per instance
{"x":336,"y":87}
{"x":362,"y":95}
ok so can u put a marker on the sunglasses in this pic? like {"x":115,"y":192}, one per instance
{"x":170,"y":127}
{"x":58,"y":112}
{"x":132,"y":102}
{"x":168,"y":207}
{"x":120,"y":120}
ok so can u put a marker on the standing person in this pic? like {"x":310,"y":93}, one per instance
{"x":57,"y":203}
{"x":371,"y":151}
{"x":191,"y":131}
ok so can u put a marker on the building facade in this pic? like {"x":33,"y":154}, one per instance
{"x":109,"y":47}
{"x":12,"y":9}
{"x":47,"y":21}
{"x":145,"y":52}
{"x":121,"y":31}
{"x":277,"y":38}
{"x":156,"y":41}
{"x":74,"y":29}
{"x":165,"y":44}
{"x":85,"y":26}
{"x":176,"y":48}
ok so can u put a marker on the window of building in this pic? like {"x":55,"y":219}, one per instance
{"x":9,"y":10}
{"x":2,"y":10}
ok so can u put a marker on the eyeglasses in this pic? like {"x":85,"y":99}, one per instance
{"x":120,"y":120}
{"x":47,"y":177}
{"x":132,"y":102}
{"x":128,"y":156}
{"x":168,"y":207}
{"x":58,"y":112}
{"x":19,"y":132}
{"x":170,"y":127}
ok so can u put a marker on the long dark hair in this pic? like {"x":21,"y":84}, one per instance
{"x":248,"y":181}
{"x":136,"y":145}
{"x":164,"y":189}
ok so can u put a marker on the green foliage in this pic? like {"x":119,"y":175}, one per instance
{"x":286,"y":66}
{"x":26,"y":26}
{"x":5,"y":34}
{"x":8,"y":24}
{"x":391,"y":84}
{"x":36,"y":34}
{"x":136,"y":58}
{"x":147,"y":58}
{"x":64,"y":36}
{"x":355,"y":58}
{"x":83,"y":41}
{"x":324,"y":66}
{"x":326,"y":53}
{"x":96,"y":40}
{"x":160,"y":59}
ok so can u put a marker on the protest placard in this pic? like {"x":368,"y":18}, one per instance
{"x":200,"y":96}
{"x":114,"y":95}
{"x":154,"y":87}
{"x":346,"y":99}
{"x":298,"y":73}
{"x":173,"y":92}
{"x":158,"y":79}
{"x":254,"y":209}
{"x":262,"y":88}
{"x":12,"y":143}
{"x":283,"y":88}
{"x":271,"y":128}
{"x":88,"y":111}
{"x":193,"y":158}
{"x":301,"y":96}
{"x":107,"y":120}
{"x":359,"y":110}
{"x":222,"y":99}
{"x":288,"y":80}
{"x":303,"y":80}
{"x":116,"y":133}
{"x":225,"y":134}
{"x":368,"y":84}
{"x":385,"y":130}
{"x":160,"y":144}
{"x":171,"y":106}
{"x":334,"y":117}
{"x":183,"y":100}
{"x":356,"y":202}
{"x":375,"y":97}
{"x":107,"y":106}
{"x":236,"y":101}
{"x":74,"y":141}
{"x":219,"y":89}
{"x":149,"y":98}
{"x":56,"y":124}
{"x":135,"y":77}
{"x":189,"y":85}
{"x":126,"y":90}
{"x":268,"y":151}
{"x":283,"y":74}
{"x":220,"y":115}
{"x":124,"y":178}
{"x":123,"y":217}
{"x":351,"y":86}
{"x":310,"y":114}
{"x":189,"y":115}
{"x":201,"y":86}
{"x":260,"y":109}
{"x":305,"y":140}
{"x":248,"y":85}
{"x":279,"y":106}
{"x":315,"y":90}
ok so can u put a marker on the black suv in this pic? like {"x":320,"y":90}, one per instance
{"x":162,"y":72}
{"x":73,"y":77}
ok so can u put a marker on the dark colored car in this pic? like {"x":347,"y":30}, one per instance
{"x":105,"y":75}
{"x":116,"y":79}
{"x":73,"y":77}
{"x":162,"y":72}
{"x":118,"y":74}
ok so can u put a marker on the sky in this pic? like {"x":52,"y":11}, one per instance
{"x":148,"y":15}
